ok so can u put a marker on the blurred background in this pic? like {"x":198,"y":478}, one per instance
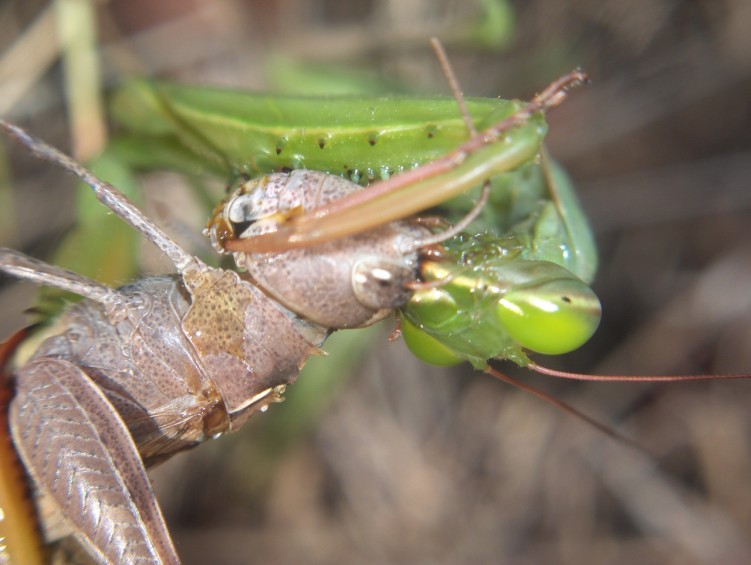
{"x":379,"y":458}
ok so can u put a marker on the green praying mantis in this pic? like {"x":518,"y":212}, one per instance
{"x":478,"y":296}
{"x":367,"y":139}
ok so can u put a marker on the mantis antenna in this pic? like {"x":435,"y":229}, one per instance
{"x":470,"y":216}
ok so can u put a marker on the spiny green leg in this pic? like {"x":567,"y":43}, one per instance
{"x":504,"y":146}
{"x":582,"y":256}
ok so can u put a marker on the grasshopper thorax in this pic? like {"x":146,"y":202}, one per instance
{"x":350,"y":282}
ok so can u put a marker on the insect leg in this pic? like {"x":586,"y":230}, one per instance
{"x":575,"y":223}
{"x":20,"y":540}
{"x":508,"y":144}
{"x":110,"y":197}
{"x":80,"y":454}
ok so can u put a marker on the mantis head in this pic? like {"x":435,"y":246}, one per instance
{"x":499,"y":309}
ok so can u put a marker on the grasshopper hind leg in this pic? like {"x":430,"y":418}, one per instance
{"x":75,"y":444}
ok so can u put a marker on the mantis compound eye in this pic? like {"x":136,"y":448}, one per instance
{"x":424,"y":346}
{"x":552,"y":317}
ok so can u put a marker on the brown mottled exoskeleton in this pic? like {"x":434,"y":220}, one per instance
{"x":130,"y":376}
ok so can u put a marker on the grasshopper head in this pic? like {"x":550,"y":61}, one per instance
{"x":348,"y":282}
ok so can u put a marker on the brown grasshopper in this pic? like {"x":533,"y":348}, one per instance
{"x":131,"y":376}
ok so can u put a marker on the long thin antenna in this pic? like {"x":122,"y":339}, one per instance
{"x":448,"y":72}
{"x":469,"y":217}
{"x":633,"y":379}
{"x":568,"y":409}
{"x":110,"y":197}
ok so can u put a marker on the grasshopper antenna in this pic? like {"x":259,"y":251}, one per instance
{"x":110,"y":197}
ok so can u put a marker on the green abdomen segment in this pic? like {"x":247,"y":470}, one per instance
{"x":360,"y":138}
